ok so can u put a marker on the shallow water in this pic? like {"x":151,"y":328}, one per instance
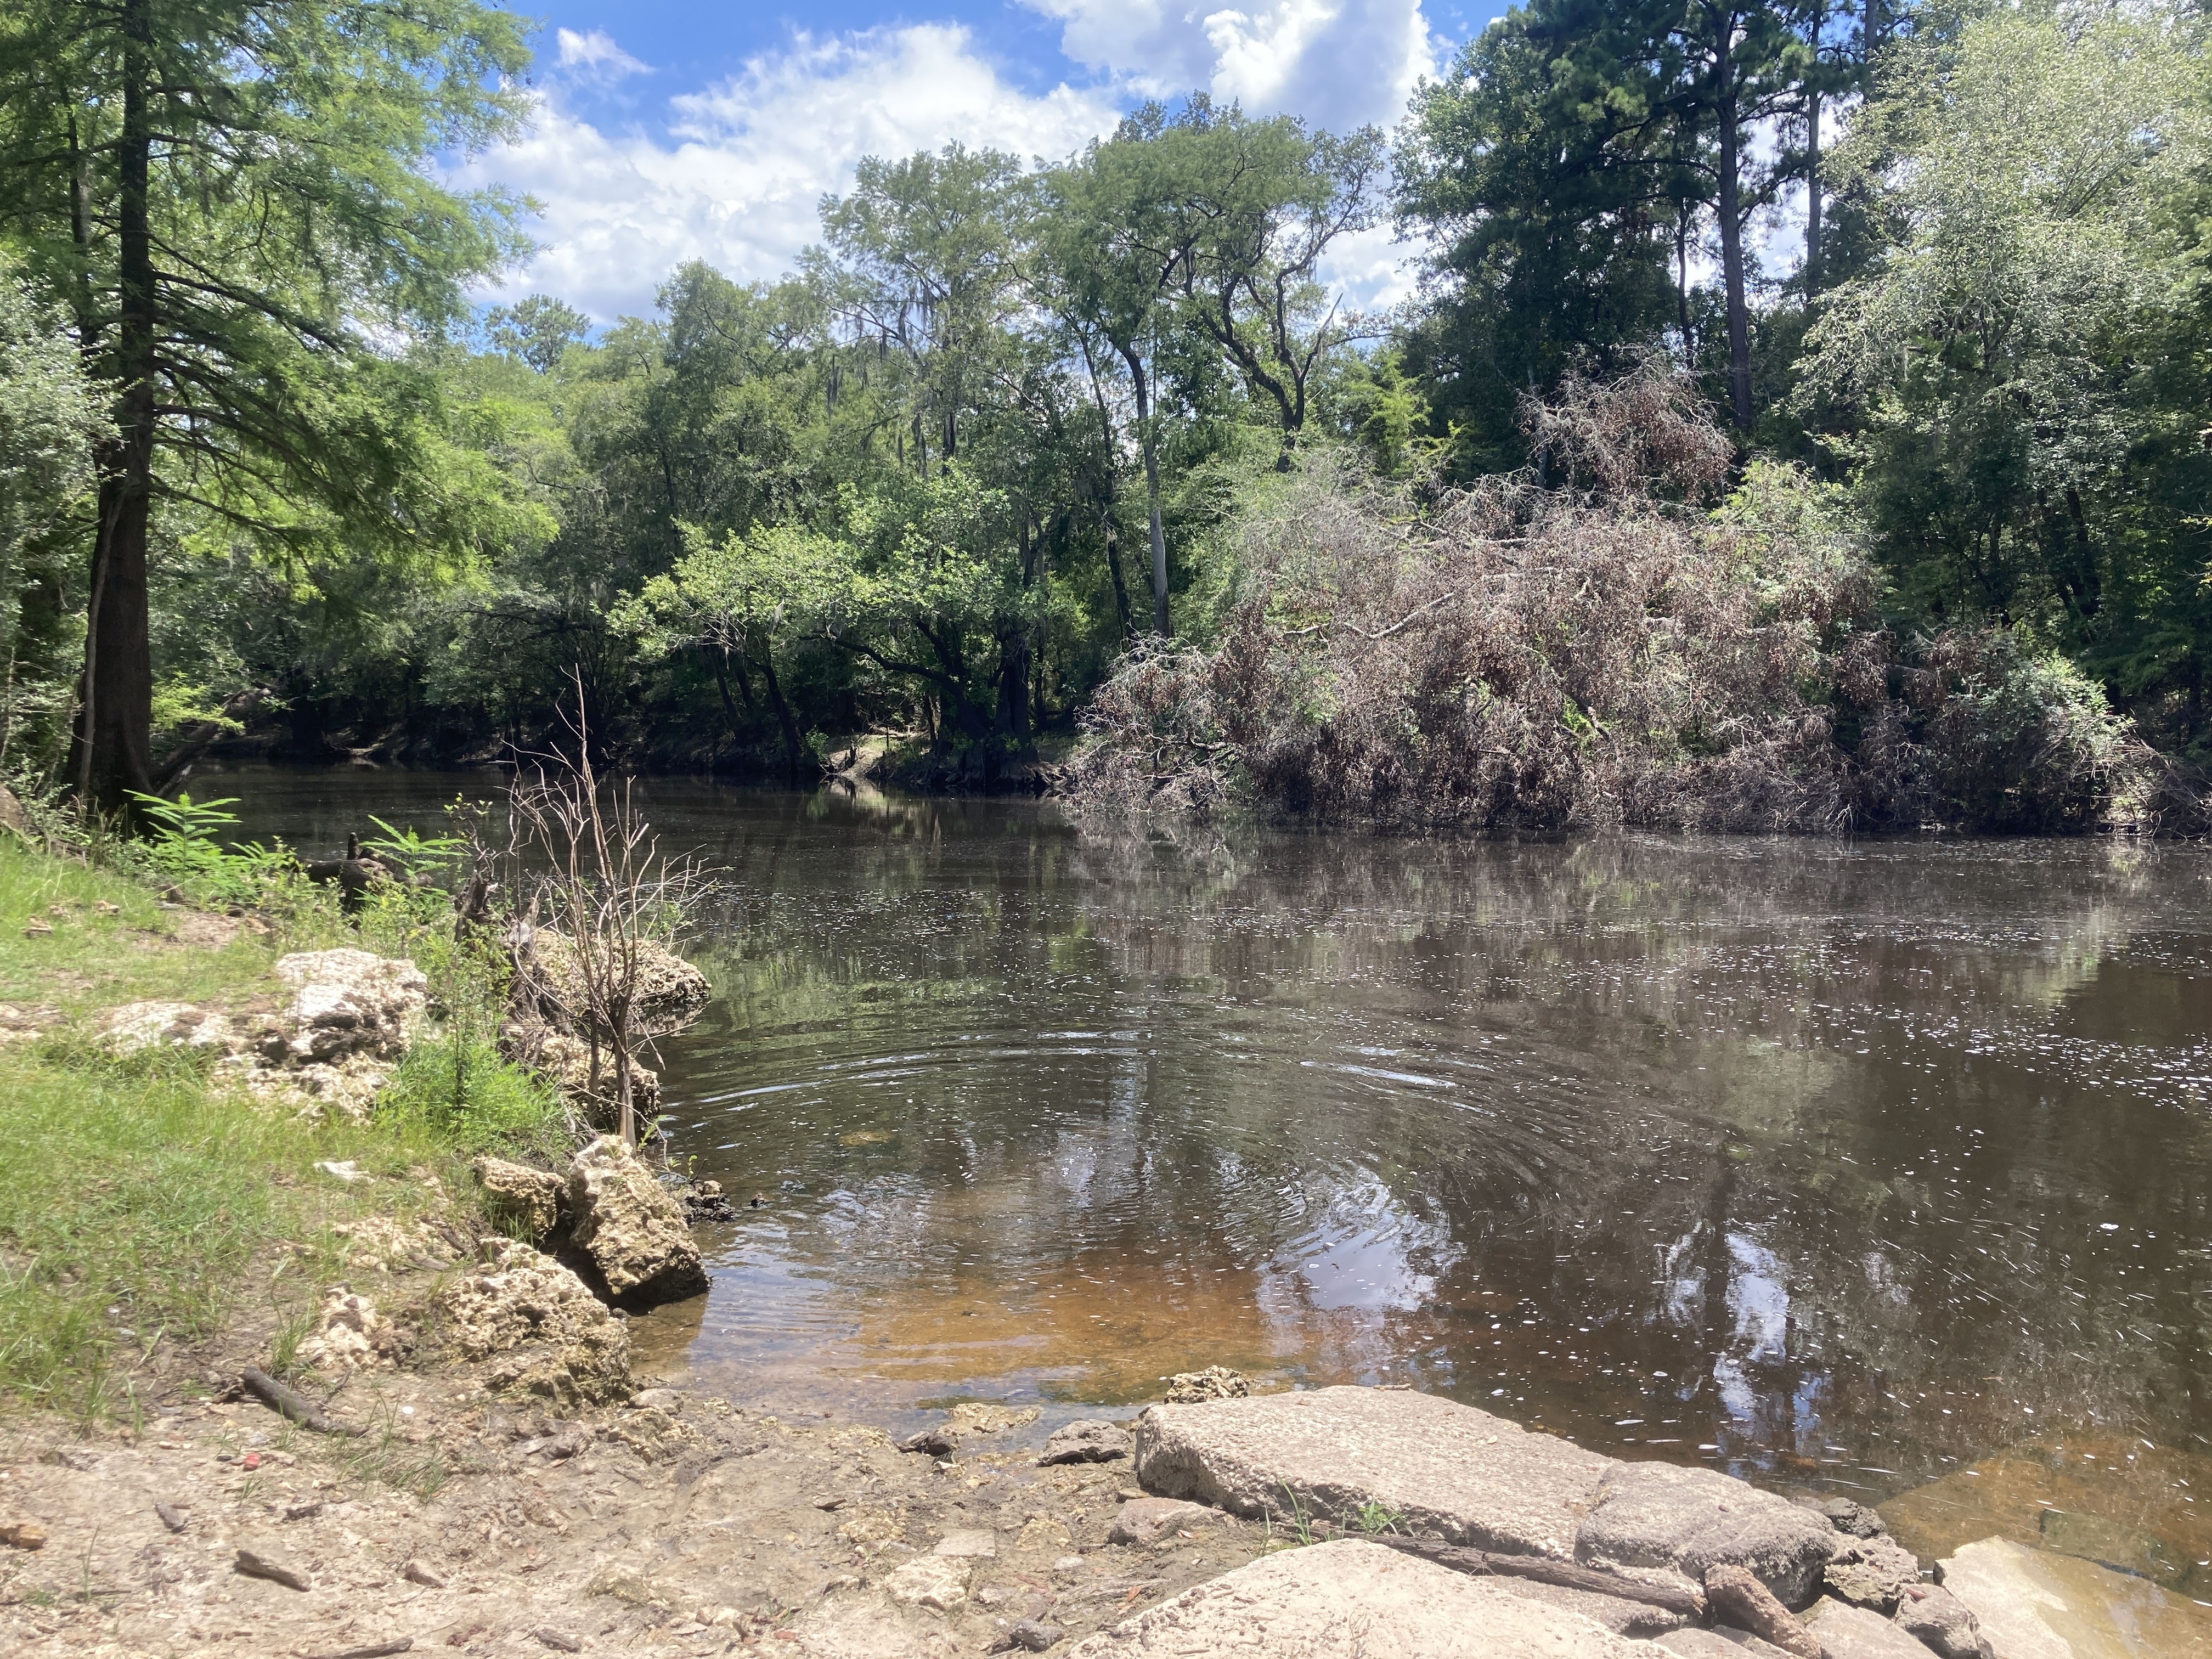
{"x":1842,"y":1165}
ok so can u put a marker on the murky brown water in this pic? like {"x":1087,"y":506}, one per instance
{"x":1852,"y":1166}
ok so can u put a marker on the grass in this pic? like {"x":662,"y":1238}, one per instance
{"x":140,"y":1208}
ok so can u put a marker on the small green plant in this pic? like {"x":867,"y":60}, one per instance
{"x":413,"y":854}
{"x":1374,"y":1519}
{"x":1301,"y":1523}
{"x":182,"y":849}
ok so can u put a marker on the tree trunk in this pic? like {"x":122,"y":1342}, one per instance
{"x":1160,"y":623}
{"x":1813,"y":162}
{"x":793,"y":748}
{"x":1114,"y":568}
{"x":1731,"y":218}
{"x":114,"y":740}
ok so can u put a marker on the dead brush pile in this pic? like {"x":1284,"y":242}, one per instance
{"x":1622,"y":648}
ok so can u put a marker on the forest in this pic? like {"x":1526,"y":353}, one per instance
{"x":1801,"y":421}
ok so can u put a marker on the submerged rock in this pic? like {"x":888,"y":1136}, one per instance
{"x":628,"y":1223}
{"x":1351,"y":1596}
{"x":1446,"y":1470}
{"x":2033,"y":1604}
{"x":540,"y":1330}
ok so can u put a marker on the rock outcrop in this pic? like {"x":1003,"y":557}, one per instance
{"x":1351,"y":1596}
{"x":669,"y":993}
{"x":631,"y":1226}
{"x":525,"y":1200}
{"x":535,"y":1329}
{"x":351,"y":1016}
{"x":1657,"y":1514}
{"x":1448,"y":1471}
{"x":348,"y":1334}
{"x":1214,"y":1383}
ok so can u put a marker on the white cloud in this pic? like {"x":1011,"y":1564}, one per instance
{"x":596,"y":55}
{"x":1338,"y":63}
{"x":754,"y":156}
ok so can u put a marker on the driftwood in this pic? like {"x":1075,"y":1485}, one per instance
{"x":1738,"y":1597}
{"x":1545,"y":1571}
{"x":286,"y":1402}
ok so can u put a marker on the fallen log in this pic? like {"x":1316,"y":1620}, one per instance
{"x":1543,"y":1569}
{"x":285,"y":1403}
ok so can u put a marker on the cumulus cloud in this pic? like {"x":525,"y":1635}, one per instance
{"x":1338,"y":63}
{"x":753,"y":156}
{"x":596,"y":55}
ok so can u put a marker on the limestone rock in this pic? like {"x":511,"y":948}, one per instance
{"x":1872,"y":1572}
{"x":972,"y":1417}
{"x":1850,"y":1632}
{"x":929,"y":1581}
{"x":1446,"y":1470}
{"x":527,"y":1199}
{"x":1148,"y":1520}
{"x":1655,"y":1515}
{"x":1214,"y":1383}
{"x":543,"y":1332}
{"x":2031,"y":1604}
{"x":345,"y":1334}
{"x":137,"y":1025}
{"x":314,"y":1091}
{"x":629,"y":1224}
{"x":1351,"y":1596}
{"x":349,"y":1002}
{"x":970,"y":1544}
{"x":1936,"y":1619}
{"x":1093,"y":1440}
{"x":1615,"y":1613}
{"x":565,"y":1061}
{"x":669,"y":995}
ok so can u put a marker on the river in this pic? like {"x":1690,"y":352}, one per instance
{"x":1848,"y":1166}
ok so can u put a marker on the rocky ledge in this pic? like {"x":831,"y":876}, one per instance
{"x":1447,"y":1519}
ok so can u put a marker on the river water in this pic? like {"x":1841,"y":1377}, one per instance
{"x":1854,"y":1166}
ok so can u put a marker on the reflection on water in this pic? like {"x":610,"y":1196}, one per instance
{"x":1847,"y":1166}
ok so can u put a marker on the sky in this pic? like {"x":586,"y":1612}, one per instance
{"x":673,"y":130}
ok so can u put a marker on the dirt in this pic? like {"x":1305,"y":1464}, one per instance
{"x":679,"y":1522}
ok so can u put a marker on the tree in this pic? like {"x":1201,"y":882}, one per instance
{"x":537,"y":329}
{"x":1254,"y":204}
{"x":50,"y":422}
{"x":235,"y":199}
{"x":2019,"y":380}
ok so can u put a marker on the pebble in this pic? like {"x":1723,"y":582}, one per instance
{"x":1034,"y":1635}
{"x":553,"y":1639}
{"x":415,"y":1573}
{"x":23,"y":1535}
{"x":172,"y":1517}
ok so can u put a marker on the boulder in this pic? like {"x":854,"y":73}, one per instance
{"x":1935,"y":1618}
{"x":1871,"y":1571}
{"x":1214,"y":1383}
{"x":348,"y":1002}
{"x":137,"y":1025}
{"x":1352,"y":1596}
{"x":526,"y":1199}
{"x":1444,"y":1470}
{"x":668,"y":996}
{"x":1093,"y":1440}
{"x":542,"y":1332}
{"x":2031,"y":1604}
{"x":1615,"y":1613}
{"x":1148,"y":1520}
{"x":631,"y":1226}
{"x":1850,"y":1632}
{"x":1656,"y":1515}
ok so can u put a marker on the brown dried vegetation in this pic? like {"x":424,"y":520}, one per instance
{"x":1613,"y":641}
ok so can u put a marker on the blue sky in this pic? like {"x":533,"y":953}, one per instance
{"x":669,"y":129}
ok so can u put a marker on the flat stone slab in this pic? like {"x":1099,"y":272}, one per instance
{"x":973,"y":1544}
{"x":1657,"y":1514}
{"x":1850,"y":1632}
{"x":2035,"y":1604}
{"x":1351,"y":1596}
{"x":1148,"y":1520}
{"x":1441,"y":1468}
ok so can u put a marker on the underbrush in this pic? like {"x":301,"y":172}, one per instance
{"x":1624,"y":646}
